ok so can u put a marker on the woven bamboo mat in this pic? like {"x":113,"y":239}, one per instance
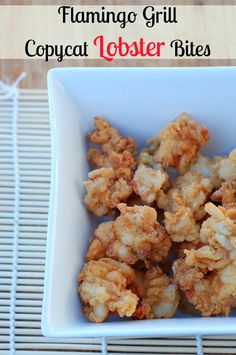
{"x":24,"y":197}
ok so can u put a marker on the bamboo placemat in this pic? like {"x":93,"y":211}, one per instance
{"x":24,"y":198}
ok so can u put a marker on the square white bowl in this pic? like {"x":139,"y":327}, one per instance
{"x":138,"y":101}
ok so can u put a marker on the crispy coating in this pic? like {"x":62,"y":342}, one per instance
{"x":186,"y":276}
{"x":134,"y":235}
{"x":147,"y":182}
{"x":207,"y":257}
{"x":181,"y":225}
{"x":212,"y":293}
{"x":219,"y":230}
{"x":194,"y":189}
{"x":218,"y":169}
{"x":116,"y":151}
{"x":191,"y":190}
{"x":227,"y":167}
{"x":226,"y":194}
{"x":207,"y":167}
{"x":109,"y":137}
{"x":104,"y":235}
{"x":146,"y":158}
{"x":103,"y":289}
{"x":104,"y":192}
{"x":158,"y":294}
{"x":123,"y":164}
{"x":178,"y":143}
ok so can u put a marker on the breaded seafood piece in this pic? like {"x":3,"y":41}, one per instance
{"x":147,"y":182}
{"x":158,"y":294}
{"x":218,"y":169}
{"x":207,"y":167}
{"x":109,"y":138}
{"x":220,"y":228}
{"x":181,"y":225}
{"x":104,"y":235}
{"x":194,"y":190}
{"x":191,"y":190}
{"x":103,"y":289}
{"x":212,"y":293}
{"x":186,"y":276}
{"x":134,"y":235}
{"x":179,"y":142}
{"x":227,"y":167}
{"x":226,"y":194}
{"x":123,"y":164}
{"x":146,"y":158}
{"x":116,"y":151}
{"x":207,"y":257}
{"x":104,"y":192}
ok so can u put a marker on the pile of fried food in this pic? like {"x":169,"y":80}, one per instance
{"x":167,"y":237}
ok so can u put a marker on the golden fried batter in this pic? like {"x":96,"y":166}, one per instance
{"x":103,"y":289}
{"x":220,"y":228}
{"x":158,"y":294}
{"x":226,"y":194}
{"x":208,"y":167}
{"x":147,"y":182}
{"x":134,"y":235}
{"x":227,"y":167}
{"x":116,"y":151}
{"x":104,"y":192}
{"x":181,"y":225}
{"x":178,"y":143}
{"x":194,"y":190}
{"x":207,"y":257}
{"x":212,"y":293}
{"x":190,"y":191}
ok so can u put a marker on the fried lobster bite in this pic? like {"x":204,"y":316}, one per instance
{"x":103,"y":289}
{"x":193,"y":189}
{"x":116,"y":152}
{"x":181,"y":225}
{"x":227,"y":167}
{"x":226,"y":194}
{"x":134,"y":235}
{"x":211,"y":293}
{"x":104,"y":192}
{"x":207,"y":257}
{"x":179,"y":142}
{"x":218,"y":233}
{"x":148,"y":182}
{"x":207,"y":167}
{"x":110,"y":184}
{"x":219,"y":230}
{"x":185,"y":206}
{"x":158,"y":294}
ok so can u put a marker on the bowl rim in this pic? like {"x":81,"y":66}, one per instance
{"x":217,"y":325}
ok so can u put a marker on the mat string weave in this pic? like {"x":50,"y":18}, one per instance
{"x":104,"y":346}
{"x":11,"y":92}
{"x":199,"y":345}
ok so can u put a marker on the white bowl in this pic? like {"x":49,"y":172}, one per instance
{"x":138,"y":102}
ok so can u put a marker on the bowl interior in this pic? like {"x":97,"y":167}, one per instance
{"x":139,"y":102}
